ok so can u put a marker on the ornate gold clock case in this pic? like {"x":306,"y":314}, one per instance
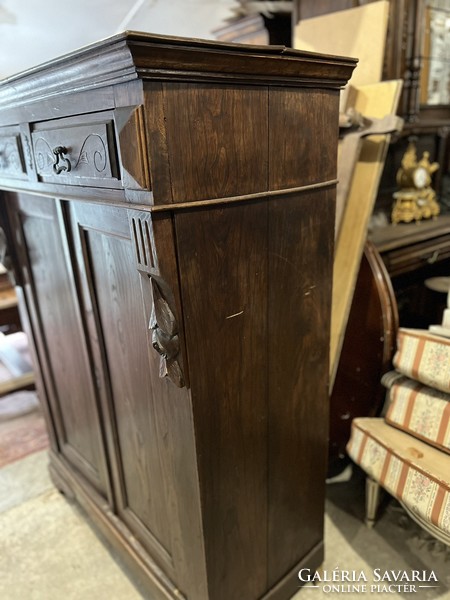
{"x":416,"y":199}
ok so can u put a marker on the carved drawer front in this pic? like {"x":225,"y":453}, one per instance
{"x":12,"y":164}
{"x":77,"y":151}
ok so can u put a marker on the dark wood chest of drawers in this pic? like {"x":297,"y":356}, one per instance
{"x":169,"y":207}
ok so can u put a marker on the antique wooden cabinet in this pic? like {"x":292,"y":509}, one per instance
{"x":169,"y":209}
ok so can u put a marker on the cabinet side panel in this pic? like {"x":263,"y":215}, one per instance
{"x":300,"y":267}
{"x":303,"y":136}
{"x":217,"y":140}
{"x":223,"y":270}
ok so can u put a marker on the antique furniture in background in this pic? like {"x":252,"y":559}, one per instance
{"x":413,"y":253}
{"x":397,"y":261}
{"x":411,"y":48}
{"x":173,"y":259}
{"x":367,"y":351}
{"x":407,"y":452}
{"x":258,"y":22}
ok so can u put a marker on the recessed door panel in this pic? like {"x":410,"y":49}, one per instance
{"x":57,"y":316}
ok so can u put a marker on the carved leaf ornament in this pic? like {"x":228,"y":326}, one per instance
{"x":165,"y":338}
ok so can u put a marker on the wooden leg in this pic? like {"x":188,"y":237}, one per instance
{"x":372,"y":500}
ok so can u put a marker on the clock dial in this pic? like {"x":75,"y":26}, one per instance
{"x":420,"y":177}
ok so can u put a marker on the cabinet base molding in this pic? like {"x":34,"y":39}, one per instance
{"x":147,"y":573}
{"x":144,"y":571}
{"x":141,"y":567}
{"x":290,"y":584}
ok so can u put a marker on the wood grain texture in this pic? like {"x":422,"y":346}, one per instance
{"x":110,"y":196}
{"x":225,"y":312}
{"x":113,"y":531}
{"x":296,"y":117}
{"x":57,"y":107}
{"x":282,"y":192}
{"x":176,"y":423}
{"x":124,"y":57}
{"x":90,"y":149}
{"x":124,"y":324}
{"x":156,"y":132}
{"x":132,"y":147}
{"x":151,"y":437}
{"x":300,"y":267}
{"x":69,"y":376}
{"x":289,"y":585}
{"x":37,"y":368}
{"x":225,"y":129}
{"x":175,"y":426}
{"x":12,"y":163}
{"x":258,"y":64}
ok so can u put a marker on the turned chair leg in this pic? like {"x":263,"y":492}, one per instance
{"x":372,"y":500}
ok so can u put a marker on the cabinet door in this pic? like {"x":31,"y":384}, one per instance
{"x":56,"y":319}
{"x":149,"y":427}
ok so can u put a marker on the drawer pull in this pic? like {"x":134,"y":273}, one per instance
{"x":433,"y":258}
{"x":65,"y":165}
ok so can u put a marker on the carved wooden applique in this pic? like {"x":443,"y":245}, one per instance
{"x":10,"y":156}
{"x":163,"y":324}
{"x":165,"y":338}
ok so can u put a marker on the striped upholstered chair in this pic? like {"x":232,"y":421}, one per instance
{"x":408,"y":451}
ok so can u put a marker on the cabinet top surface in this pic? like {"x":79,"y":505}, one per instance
{"x":132,"y":55}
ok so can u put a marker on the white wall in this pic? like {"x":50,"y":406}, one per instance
{"x":34,"y":31}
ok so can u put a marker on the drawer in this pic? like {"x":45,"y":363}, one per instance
{"x":12,"y":164}
{"x":78,"y":150}
{"x":416,"y":256}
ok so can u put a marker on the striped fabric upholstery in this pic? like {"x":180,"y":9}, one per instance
{"x":424,"y":357}
{"x":420,"y":411}
{"x":410,"y":470}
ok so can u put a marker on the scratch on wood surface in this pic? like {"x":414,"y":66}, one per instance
{"x":282,"y":258}
{"x":235,"y":315}
{"x":311,"y":287}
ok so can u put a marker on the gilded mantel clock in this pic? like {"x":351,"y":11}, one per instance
{"x":415,"y":199}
